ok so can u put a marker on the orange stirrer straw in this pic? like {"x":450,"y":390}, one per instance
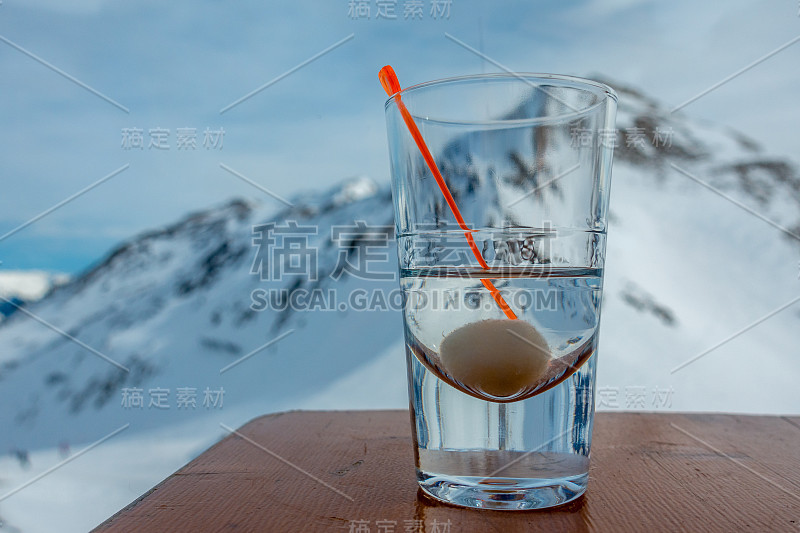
{"x":391,"y":85}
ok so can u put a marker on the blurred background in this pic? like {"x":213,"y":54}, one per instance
{"x":141,"y":143}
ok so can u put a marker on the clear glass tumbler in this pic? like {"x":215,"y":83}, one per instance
{"x":502,"y":308}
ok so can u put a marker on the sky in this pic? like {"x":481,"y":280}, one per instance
{"x":80,"y":78}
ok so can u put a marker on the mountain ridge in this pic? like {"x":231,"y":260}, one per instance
{"x":174,"y":305}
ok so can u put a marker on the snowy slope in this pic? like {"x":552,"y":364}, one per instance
{"x":686,"y":268}
{"x":173,"y":307}
{"x":677,"y":247}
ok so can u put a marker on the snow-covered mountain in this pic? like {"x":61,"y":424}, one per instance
{"x":25,"y":287}
{"x":172,"y":308}
{"x":686,"y":269}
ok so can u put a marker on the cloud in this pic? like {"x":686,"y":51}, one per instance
{"x":176,"y":65}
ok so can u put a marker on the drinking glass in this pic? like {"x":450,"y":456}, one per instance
{"x":502,"y":310}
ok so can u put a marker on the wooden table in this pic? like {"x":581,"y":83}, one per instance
{"x":353,"y":471}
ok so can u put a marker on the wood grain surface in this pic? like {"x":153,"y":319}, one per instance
{"x":354,"y":471}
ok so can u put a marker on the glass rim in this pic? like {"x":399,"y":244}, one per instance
{"x":603,"y":91}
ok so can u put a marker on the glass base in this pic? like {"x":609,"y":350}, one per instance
{"x":502,"y":494}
